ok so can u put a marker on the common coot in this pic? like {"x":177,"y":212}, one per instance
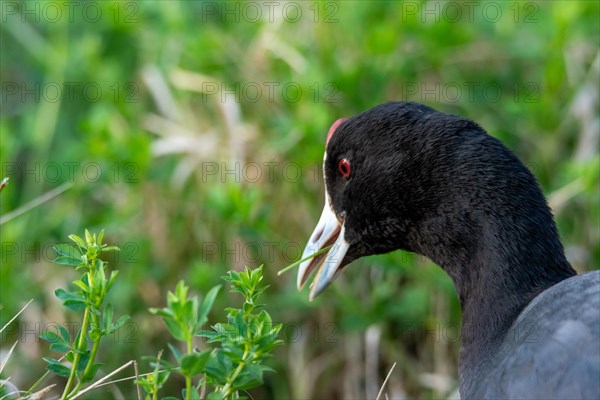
{"x":402,"y":175}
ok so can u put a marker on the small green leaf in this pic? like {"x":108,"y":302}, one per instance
{"x":83,"y":360}
{"x":162,"y":378}
{"x":122,"y":321}
{"x":66,"y":260}
{"x":265,"y":319}
{"x":175,"y":328}
{"x":68,"y":250}
{"x":63,"y":295}
{"x":60,"y":347}
{"x":193,"y":394}
{"x":81,"y":285}
{"x":248,"y":308}
{"x":51,"y":337}
{"x":267,"y":369}
{"x":64,"y":332}
{"x":107,"y":317}
{"x":206,"y":333}
{"x":162,"y":312}
{"x":159,"y":363}
{"x":75,"y":305}
{"x":110,"y":248}
{"x":95,"y":334}
{"x":111,"y":280}
{"x":193,"y":364}
{"x":89,"y":238}
{"x":175,"y":351}
{"x":216,"y":395}
{"x":69,"y":356}
{"x":181,"y":291}
{"x":252,"y":376}
{"x":190,"y":311}
{"x":207,"y":304}
{"x":77,"y":240}
{"x":59,"y":369}
{"x":219,"y":367}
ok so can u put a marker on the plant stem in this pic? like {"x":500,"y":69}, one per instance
{"x":36,"y":384}
{"x":294,"y":265}
{"x":188,"y":379}
{"x":77,"y":353}
{"x":95,"y":346}
{"x":75,"y":390}
{"x":226,"y":391}
{"x":188,"y":388}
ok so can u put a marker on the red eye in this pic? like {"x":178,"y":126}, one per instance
{"x":344,"y":167}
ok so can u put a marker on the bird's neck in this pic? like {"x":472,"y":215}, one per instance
{"x":498,"y":265}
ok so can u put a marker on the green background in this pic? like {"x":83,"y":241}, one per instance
{"x":193,"y":132}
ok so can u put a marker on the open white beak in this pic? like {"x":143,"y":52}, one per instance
{"x":329,"y":231}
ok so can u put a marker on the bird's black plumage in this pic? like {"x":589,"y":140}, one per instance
{"x":439,"y":185}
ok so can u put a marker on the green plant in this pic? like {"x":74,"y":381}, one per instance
{"x":153,"y":382}
{"x":246,"y":340}
{"x":184,"y":317}
{"x":93,"y":287}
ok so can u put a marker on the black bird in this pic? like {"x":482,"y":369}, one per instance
{"x":402,"y":175}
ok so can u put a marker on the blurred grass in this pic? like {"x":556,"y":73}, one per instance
{"x":139,"y":130}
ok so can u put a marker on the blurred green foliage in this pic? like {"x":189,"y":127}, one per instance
{"x":192,"y":133}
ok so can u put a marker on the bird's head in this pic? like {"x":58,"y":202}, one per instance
{"x":388,"y":172}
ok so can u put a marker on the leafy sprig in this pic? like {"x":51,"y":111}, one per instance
{"x":89,"y":297}
{"x":245,"y":341}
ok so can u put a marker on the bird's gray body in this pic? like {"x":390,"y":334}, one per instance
{"x":552,"y":351}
